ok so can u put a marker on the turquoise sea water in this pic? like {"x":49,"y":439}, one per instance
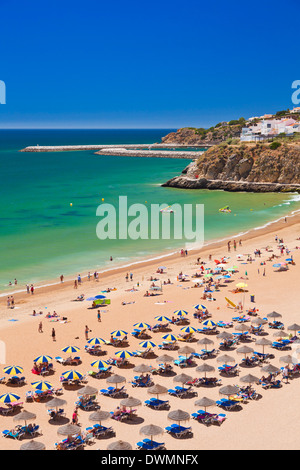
{"x":43,"y":236}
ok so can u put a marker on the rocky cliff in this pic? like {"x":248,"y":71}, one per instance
{"x":246,"y":167}
{"x":202,"y":137}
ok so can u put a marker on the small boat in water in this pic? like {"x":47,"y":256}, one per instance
{"x":225,"y":209}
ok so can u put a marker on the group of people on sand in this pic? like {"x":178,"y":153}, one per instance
{"x":10,"y":302}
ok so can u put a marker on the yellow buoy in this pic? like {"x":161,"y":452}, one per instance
{"x":71,"y":204}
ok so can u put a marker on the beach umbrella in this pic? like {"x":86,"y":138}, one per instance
{"x":72,"y":375}
{"x":87,"y":390}
{"x":123,"y":354}
{"x":241,"y":285}
{"x":229,"y":390}
{"x":33,"y":445}
{"x":188,"y":329}
{"x":179,"y":416}
{"x":116,"y":379}
{"x":118,"y":333}
{"x":263,"y":342}
{"x":96,"y":341}
{"x":186,"y":350}
{"x":259,"y":321}
{"x":157,"y":390}
{"x":295,"y":327}
{"x":43,"y":386}
{"x":119,"y":445}
{"x":249,"y":379}
{"x":205,"y":368}
{"x":225,"y":359}
{"x":209,"y":323}
{"x":24,"y":416}
{"x":69,"y":430}
{"x":224,"y":335}
{"x":151,"y":430}
{"x":200,"y":307}
{"x":99,"y":364}
{"x":205,"y":402}
{"x":274,"y":315}
{"x":70,"y":349}
{"x":147,"y":344}
{"x":141,"y":325}
{"x":169,"y":337}
{"x":13,"y":370}
{"x":287,"y":359}
{"x":241,"y":327}
{"x":162,"y":318}
{"x":99,"y":416}
{"x":181,"y":313}
{"x":55,"y":403}
{"x":42,"y":359}
{"x":205,"y":342}
{"x":165,"y":358}
{"x":130,"y":402}
{"x":182,"y":378}
{"x":9,"y":398}
{"x":270,"y":369}
{"x":280,"y":334}
{"x":245,"y":350}
{"x":96,"y":297}
{"x":142,"y":368}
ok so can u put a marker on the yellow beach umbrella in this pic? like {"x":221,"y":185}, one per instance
{"x":43,"y":386}
{"x":123,"y":354}
{"x":13,"y":370}
{"x":147,"y":344}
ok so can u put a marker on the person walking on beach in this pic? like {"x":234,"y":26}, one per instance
{"x":40,"y":330}
{"x":79,"y":279}
{"x":234,"y":245}
{"x":62,"y":278}
{"x":126,"y":277}
{"x":53,"y":334}
{"x":99,"y":315}
{"x":228,"y":244}
{"x":131,"y":276}
{"x":8,"y":302}
{"x":75,"y":284}
{"x":75,"y":416}
{"x":89,"y":276}
{"x":12,"y":301}
{"x":32,"y":289}
{"x":27,"y":289}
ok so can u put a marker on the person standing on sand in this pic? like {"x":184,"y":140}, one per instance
{"x":126,"y":277}
{"x":228,"y":244}
{"x":75,"y":284}
{"x":32,"y":289}
{"x":12,"y":300}
{"x":27,"y":289}
{"x":62,"y":278}
{"x":99,"y":315}
{"x":40,"y":330}
{"x":53,"y":334}
{"x":86,"y":331}
{"x":234,"y":245}
{"x":8,"y":302}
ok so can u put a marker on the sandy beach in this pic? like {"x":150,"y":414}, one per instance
{"x":271,"y":422}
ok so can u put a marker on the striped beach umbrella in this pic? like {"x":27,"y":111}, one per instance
{"x":13,"y":370}
{"x":147,"y":344}
{"x":181,"y":313}
{"x":41,"y":359}
{"x":9,"y":398}
{"x":199,"y":307}
{"x":99,"y":364}
{"x":96,"y":341}
{"x":71,"y":349}
{"x":141,"y":325}
{"x":188,"y":329}
{"x":72,"y":375}
{"x":170,"y":337}
{"x":123,"y":354}
{"x":162,"y":318}
{"x":209,"y":323}
{"x":118,"y":333}
{"x":43,"y":386}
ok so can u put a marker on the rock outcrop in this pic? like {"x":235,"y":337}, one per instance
{"x":246,"y":167}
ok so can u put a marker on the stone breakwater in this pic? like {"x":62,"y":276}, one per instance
{"x":149,"y":153}
{"x":66,"y":148}
{"x":185,"y":182}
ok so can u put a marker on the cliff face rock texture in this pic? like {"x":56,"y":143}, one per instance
{"x":255,"y":167}
{"x":202,"y":137}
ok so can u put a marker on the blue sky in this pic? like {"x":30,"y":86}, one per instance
{"x":133,"y":64}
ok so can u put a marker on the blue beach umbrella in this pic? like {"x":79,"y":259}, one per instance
{"x":96,"y":341}
{"x":42,"y":359}
{"x":118,"y":333}
{"x":141,"y":325}
{"x":13,"y":370}
{"x":123,"y":354}
{"x":147,"y":344}
{"x":42,"y":386}
{"x":162,"y":318}
{"x":71,"y":349}
{"x":180,"y":313}
{"x":72,"y":375}
{"x":97,"y":297}
{"x":99,"y":364}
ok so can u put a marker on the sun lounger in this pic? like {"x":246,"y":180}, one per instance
{"x":157,"y":404}
{"x":147,"y":444}
{"x":229,"y":370}
{"x":275,"y":384}
{"x":102,"y":431}
{"x":178,"y":431}
{"x":113,"y":392}
{"x":227,"y":404}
